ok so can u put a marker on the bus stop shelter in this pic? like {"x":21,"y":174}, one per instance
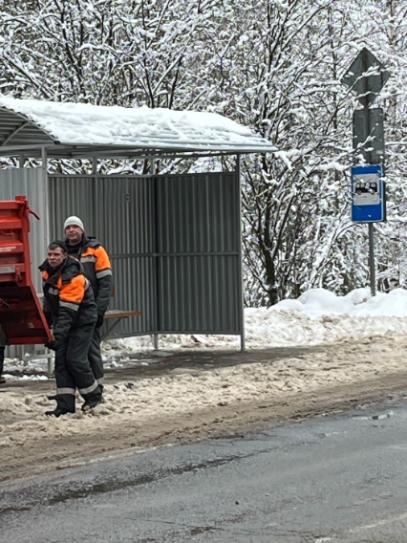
{"x":174,"y":239}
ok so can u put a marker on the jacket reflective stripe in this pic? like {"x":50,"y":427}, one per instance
{"x":73,"y":303}
{"x":103,"y":273}
{"x":89,"y":389}
{"x":95,"y":261}
{"x":69,"y":305}
{"x":66,"y":390}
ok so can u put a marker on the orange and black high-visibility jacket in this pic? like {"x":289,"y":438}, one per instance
{"x":96,"y":267}
{"x":68,"y":298}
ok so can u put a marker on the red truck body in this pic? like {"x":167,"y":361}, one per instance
{"x":21,"y":316}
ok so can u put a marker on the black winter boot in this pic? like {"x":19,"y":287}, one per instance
{"x":65,"y":405}
{"x":57,"y":412}
{"x":92,"y":402}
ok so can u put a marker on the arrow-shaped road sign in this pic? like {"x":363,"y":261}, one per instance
{"x":366,"y":76}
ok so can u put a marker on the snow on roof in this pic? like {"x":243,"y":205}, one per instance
{"x":85,"y":124}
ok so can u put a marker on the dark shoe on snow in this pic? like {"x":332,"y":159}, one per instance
{"x":57,"y":412}
{"x":2,"y":380}
{"x":52,"y":397}
{"x":91,"y":404}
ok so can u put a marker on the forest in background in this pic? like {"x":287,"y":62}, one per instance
{"x":272,"y":65}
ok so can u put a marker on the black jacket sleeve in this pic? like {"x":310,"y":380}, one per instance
{"x":104,"y":293}
{"x":47,"y":311}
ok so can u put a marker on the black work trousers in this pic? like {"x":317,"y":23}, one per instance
{"x":95,"y":356}
{"x":2,"y":349}
{"x":72,"y":369}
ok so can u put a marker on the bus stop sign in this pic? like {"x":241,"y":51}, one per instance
{"x":368,"y":194}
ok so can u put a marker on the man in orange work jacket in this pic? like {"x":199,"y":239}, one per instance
{"x":70,"y":309}
{"x":97,"y":268}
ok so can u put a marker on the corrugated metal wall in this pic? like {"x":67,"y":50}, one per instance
{"x":198,"y":258}
{"x":174,"y":242}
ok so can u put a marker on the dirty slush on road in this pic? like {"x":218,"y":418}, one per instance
{"x":192,"y":396}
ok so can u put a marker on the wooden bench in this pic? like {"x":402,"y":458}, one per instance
{"x":113,"y":318}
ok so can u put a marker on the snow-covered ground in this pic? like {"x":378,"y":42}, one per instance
{"x":318,"y":316}
{"x":143,"y":409}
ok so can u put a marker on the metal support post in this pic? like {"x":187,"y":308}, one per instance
{"x":241,"y":283}
{"x":372,"y":263}
{"x":155,"y":336}
{"x":368,"y":131}
{"x":372,"y":266}
{"x":44,"y":160}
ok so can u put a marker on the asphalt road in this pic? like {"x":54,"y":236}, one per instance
{"x":328,"y":479}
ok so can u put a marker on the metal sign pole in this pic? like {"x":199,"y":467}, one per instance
{"x":372,"y":266}
{"x":372,"y":263}
{"x":366,"y":76}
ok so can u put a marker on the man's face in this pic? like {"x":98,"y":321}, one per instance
{"x":56,"y":257}
{"x":73,"y":234}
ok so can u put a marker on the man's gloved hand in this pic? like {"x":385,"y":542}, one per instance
{"x":51,"y":345}
{"x":99,"y":322}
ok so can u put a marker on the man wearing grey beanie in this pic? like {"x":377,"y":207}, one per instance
{"x":97,"y":268}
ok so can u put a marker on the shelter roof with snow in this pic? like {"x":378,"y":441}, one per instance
{"x":75,"y":130}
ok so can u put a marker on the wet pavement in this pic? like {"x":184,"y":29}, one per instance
{"x":328,"y":479}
